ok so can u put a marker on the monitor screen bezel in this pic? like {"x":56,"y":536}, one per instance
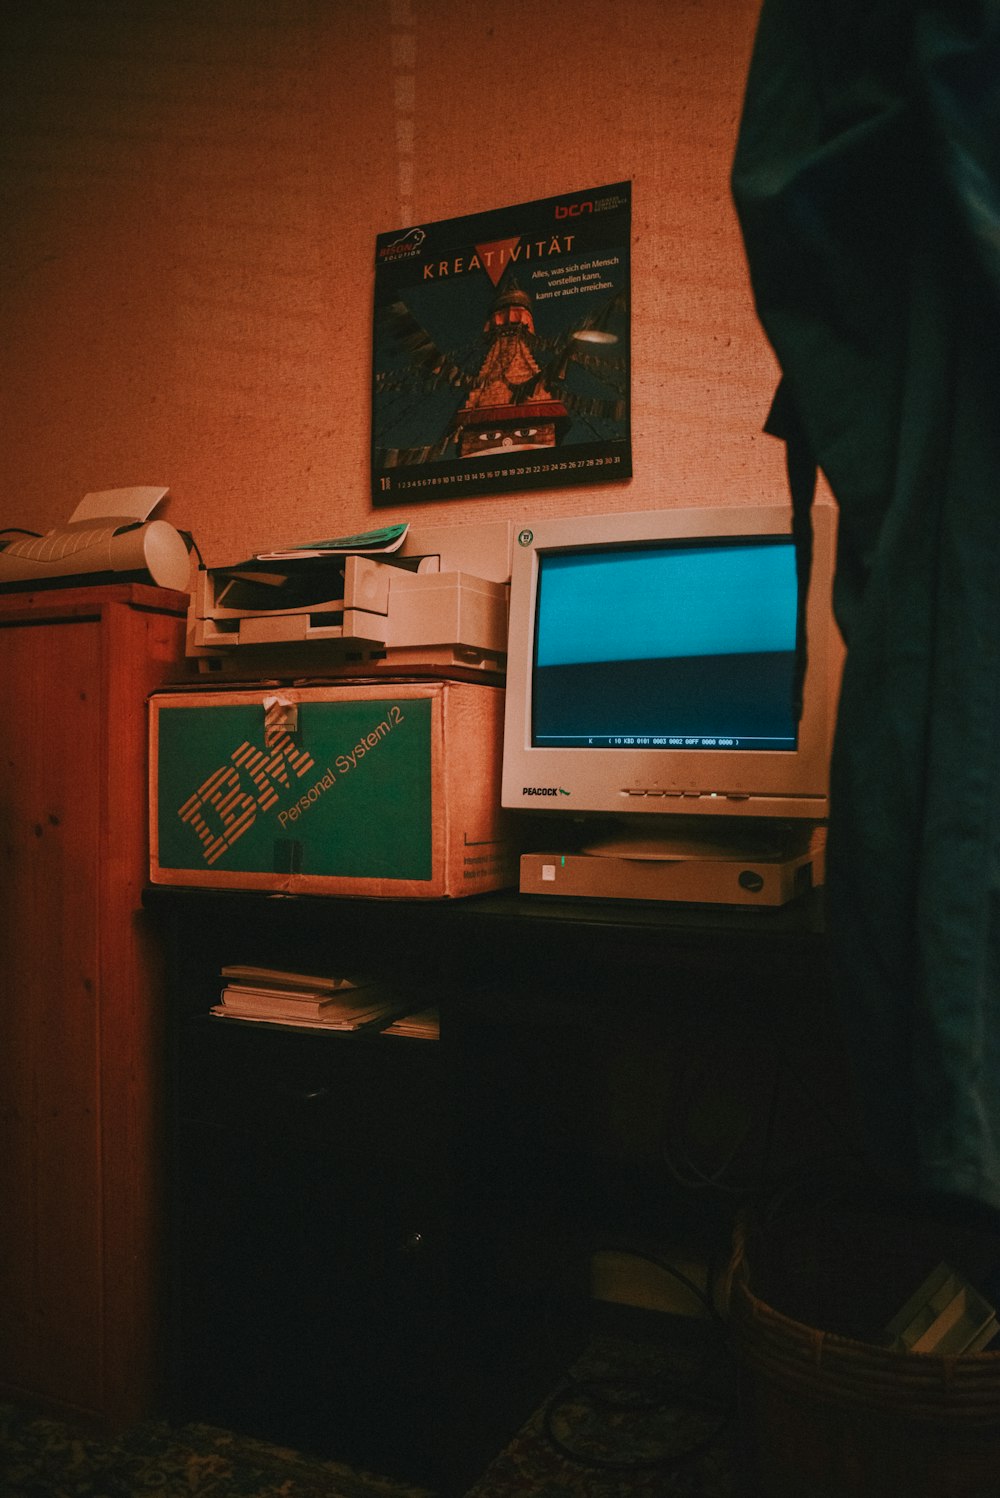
{"x":785,"y":783}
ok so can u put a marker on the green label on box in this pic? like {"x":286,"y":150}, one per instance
{"x":337,"y":788}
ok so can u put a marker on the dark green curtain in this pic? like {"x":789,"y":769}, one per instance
{"x":867,"y":183}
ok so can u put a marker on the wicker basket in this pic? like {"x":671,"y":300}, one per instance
{"x":825,"y":1416}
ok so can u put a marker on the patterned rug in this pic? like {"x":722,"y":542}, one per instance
{"x":632,"y":1421}
{"x":42,"y":1458}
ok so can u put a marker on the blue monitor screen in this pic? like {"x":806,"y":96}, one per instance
{"x":667,"y":645}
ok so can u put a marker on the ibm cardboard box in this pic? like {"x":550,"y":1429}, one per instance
{"x":353,"y":789}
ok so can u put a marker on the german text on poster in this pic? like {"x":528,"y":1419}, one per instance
{"x":501,"y":350}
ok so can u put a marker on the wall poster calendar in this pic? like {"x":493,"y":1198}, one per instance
{"x":501,"y":350}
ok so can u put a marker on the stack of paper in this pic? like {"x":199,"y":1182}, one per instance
{"x":292,"y":578}
{"x":309,"y":999}
{"x":424,"y":1025}
{"x":946,"y":1316}
{"x":385,"y":539}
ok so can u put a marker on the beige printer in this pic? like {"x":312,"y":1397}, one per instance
{"x":433,"y":600}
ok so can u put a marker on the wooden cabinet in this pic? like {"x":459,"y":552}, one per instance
{"x":80,"y":1000}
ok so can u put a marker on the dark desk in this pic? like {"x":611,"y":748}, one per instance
{"x":368,"y":1233}
{"x":493,"y":934}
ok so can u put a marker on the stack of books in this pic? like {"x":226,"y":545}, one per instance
{"x":424,"y":1025}
{"x":309,"y":999}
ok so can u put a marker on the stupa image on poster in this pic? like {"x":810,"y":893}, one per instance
{"x":501,"y":350}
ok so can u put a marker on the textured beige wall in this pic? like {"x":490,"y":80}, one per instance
{"x":194,"y":188}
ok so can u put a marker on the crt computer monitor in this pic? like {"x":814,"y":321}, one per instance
{"x":653,"y":666}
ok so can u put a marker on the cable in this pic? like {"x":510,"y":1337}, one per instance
{"x":677,"y":1155}
{"x":669,"y":1461}
{"x":192,"y":545}
{"x":685,"y":1171}
{"x":619,"y":1393}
